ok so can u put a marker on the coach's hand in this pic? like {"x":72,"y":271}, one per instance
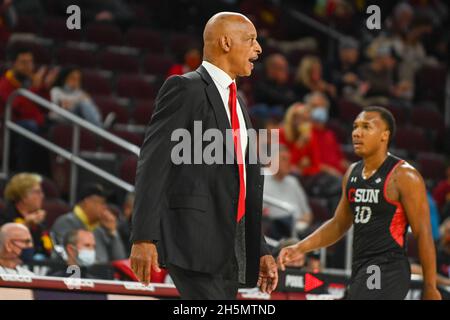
{"x":268,"y":274}
{"x":144,"y":258}
{"x":431,"y":293}
{"x":288,"y":254}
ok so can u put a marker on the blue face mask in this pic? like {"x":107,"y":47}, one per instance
{"x":27,"y":255}
{"x":319,"y":114}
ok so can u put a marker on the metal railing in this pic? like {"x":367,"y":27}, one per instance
{"x":72,"y":156}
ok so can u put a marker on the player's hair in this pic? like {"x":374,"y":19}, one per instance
{"x":387,"y":117}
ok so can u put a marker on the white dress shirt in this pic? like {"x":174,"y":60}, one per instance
{"x":222,"y":81}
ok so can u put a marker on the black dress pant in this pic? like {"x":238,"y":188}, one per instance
{"x":193,"y":285}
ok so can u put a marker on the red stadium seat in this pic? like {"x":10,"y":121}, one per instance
{"x":61,"y":134}
{"x":348,"y":111}
{"x":95,"y":83}
{"x":400,"y":114}
{"x":157,"y":64}
{"x":131,"y":137}
{"x":55,"y":28}
{"x":118,"y":62}
{"x":128,"y":169}
{"x":135,"y":86}
{"x":143,"y":111}
{"x":107,"y":104}
{"x":54,"y":209}
{"x":431,"y":165}
{"x":412,"y":139}
{"x":25,"y":24}
{"x":76,"y":57}
{"x":430,"y":83}
{"x":143,"y":38}
{"x":180,"y":43}
{"x":427,"y":118}
{"x":104,"y":34}
{"x":50,"y":189}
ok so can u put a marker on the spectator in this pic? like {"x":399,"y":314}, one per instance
{"x":282,"y":223}
{"x":24,"y":197}
{"x":441,"y":194}
{"x":380,"y":75}
{"x":16,"y":246}
{"x":434,"y":216}
{"x":28,"y":156}
{"x":191,"y":61}
{"x":274,"y":89}
{"x":331,"y":157}
{"x":343,"y":72}
{"x":79,"y":246}
{"x":298,"y":136}
{"x":92,"y":214}
{"x":67,"y":93}
{"x":309,"y":78}
{"x":443,"y":251}
{"x":125,"y":223}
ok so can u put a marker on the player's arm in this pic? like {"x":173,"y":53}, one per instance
{"x":413,"y":197}
{"x":329,"y":233}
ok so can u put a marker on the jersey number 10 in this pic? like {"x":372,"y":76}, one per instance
{"x":362,"y":214}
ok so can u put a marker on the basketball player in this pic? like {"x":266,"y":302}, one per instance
{"x":381,"y":196}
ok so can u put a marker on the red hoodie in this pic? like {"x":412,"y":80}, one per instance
{"x":22,"y":108}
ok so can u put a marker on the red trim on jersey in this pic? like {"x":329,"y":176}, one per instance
{"x":399,"y":221}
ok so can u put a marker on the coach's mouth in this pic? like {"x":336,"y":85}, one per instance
{"x":252,"y":59}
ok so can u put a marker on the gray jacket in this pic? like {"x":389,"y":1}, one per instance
{"x":108,"y":247}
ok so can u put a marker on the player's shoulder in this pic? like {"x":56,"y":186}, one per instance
{"x":405,"y":172}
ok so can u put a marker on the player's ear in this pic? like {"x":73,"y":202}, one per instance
{"x":385,"y":135}
{"x":225,"y":43}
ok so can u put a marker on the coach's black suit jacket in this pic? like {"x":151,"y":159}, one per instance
{"x":190,"y":209}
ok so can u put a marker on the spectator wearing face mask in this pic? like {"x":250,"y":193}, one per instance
{"x":79,"y":246}
{"x":24,"y":197}
{"x":16,"y":245}
{"x":331,"y":157}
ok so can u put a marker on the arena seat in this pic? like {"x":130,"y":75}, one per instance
{"x":96,"y":83}
{"x":104,"y":34}
{"x":131,"y":137}
{"x":342,"y":133}
{"x":118,"y":62}
{"x":61,"y":134}
{"x":54,"y":209}
{"x":432,"y":165}
{"x":319,"y":210}
{"x":348,"y":111}
{"x":55,"y":28}
{"x":135,"y":86}
{"x":107,"y":104}
{"x":144,"y":38}
{"x":142,"y":111}
{"x":411,"y":139}
{"x":157,"y":64}
{"x":179,"y":43}
{"x":50,"y":189}
{"x":128,"y":169}
{"x":427,"y":118}
{"x":76,"y":57}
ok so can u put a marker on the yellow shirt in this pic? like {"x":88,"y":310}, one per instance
{"x":83,"y":217}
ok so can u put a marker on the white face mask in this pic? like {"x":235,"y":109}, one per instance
{"x":86,"y":257}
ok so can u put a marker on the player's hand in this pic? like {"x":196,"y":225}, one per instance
{"x":268,"y":274}
{"x":288,"y":254}
{"x":144,"y":258}
{"x":431,"y":293}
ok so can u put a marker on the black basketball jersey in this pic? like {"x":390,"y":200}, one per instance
{"x":379,"y":223}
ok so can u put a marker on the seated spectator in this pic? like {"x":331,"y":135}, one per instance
{"x":382,"y":80}
{"x":331,"y":157}
{"x":274,"y":89}
{"x":92,"y":214}
{"x":16,"y":246}
{"x":441,"y":194}
{"x":191,"y":61}
{"x":280,"y":185}
{"x":124,"y":227}
{"x":309,"y":78}
{"x":343,"y":72}
{"x":24,"y":197}
{"x":67,"y":93}
{"x":79,"y":246}
{"x":298,"y":136}
{"x":28,"y":156}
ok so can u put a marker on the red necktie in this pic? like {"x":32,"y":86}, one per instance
{"x":237,"y":149}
